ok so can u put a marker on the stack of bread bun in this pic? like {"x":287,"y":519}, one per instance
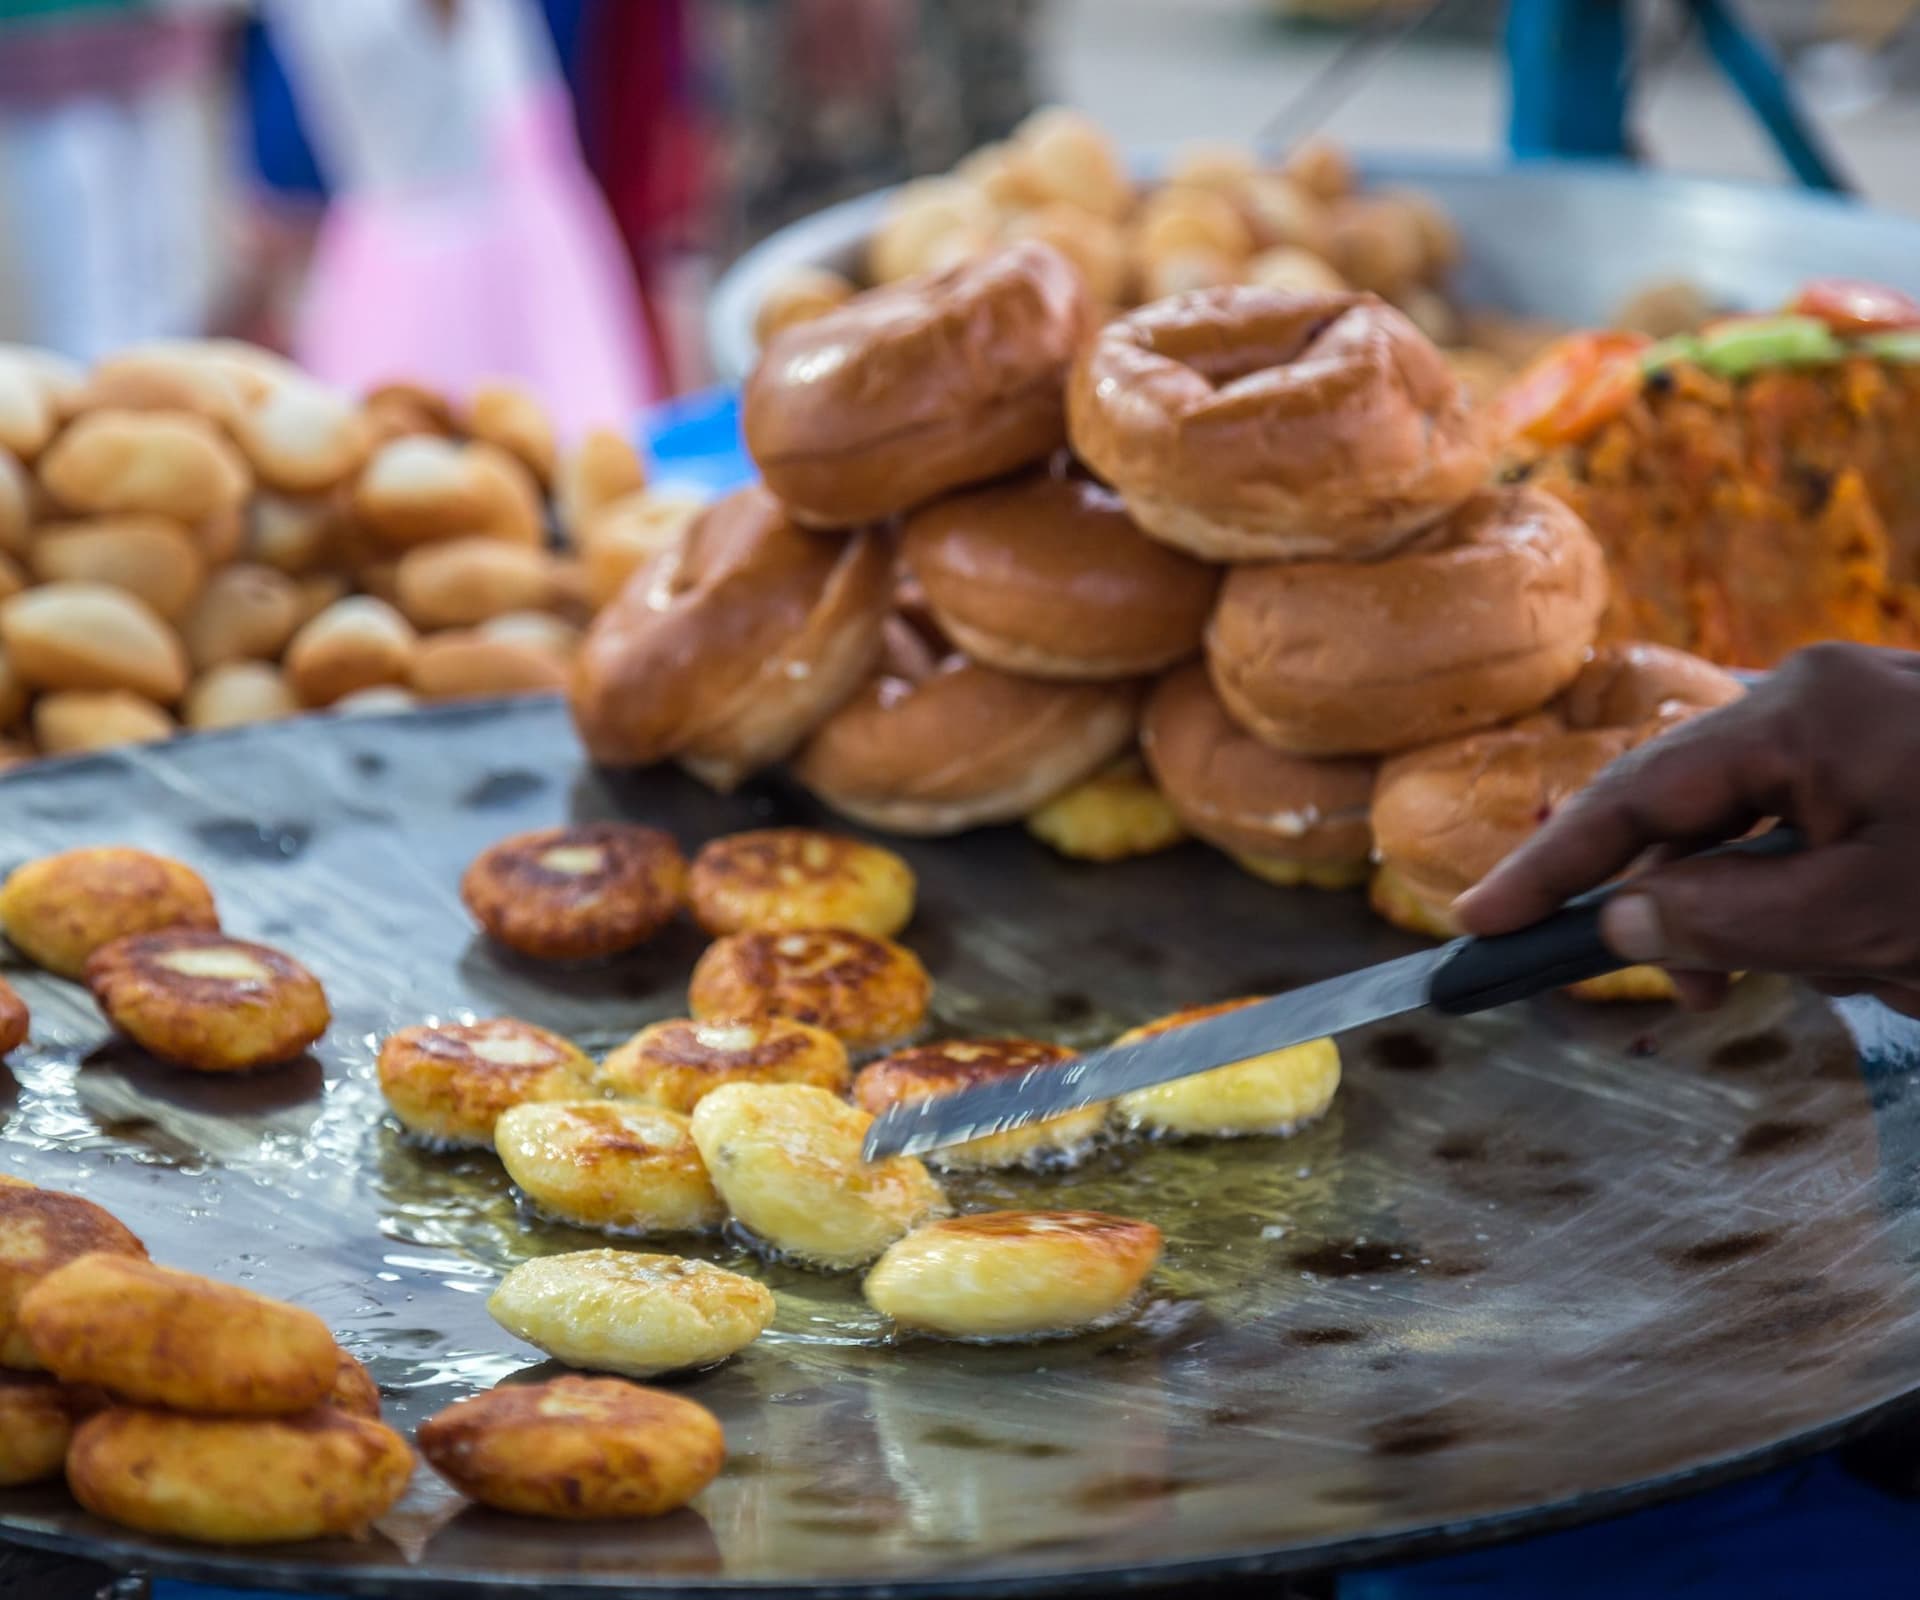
{"x":1201,"y":570}
{"x":1219,"y":213}
{"x":196,"y":534}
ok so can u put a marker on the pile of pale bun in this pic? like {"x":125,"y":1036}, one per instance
{"x":1230,"y":565}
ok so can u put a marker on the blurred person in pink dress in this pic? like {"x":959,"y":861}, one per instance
{"x":464,"y":239}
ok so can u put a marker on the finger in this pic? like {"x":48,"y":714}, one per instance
{"x":1711,"y":779}
{"x":1829,"y":912}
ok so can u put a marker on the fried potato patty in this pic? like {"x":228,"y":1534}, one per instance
{"x":634,"y":1314}
{"x":197,"y":999}
{"x":41,"y":1230}
{"x":567,"y":894}
{"x":14,"y":1019}
{"x":950,"y":1065}
{"x":449,"y":1082}
{"x":1112,"y":816}
{"x":1273,"y":1093}
{"x":60,"y":909}
{"x":155,"y":1336}
{"x":866,"y":992}
{"x":353,"y":1390}
{"x":576,"y":1448}
{"x":782,"y":878}
{"x":237,"y":1480}
{"x":36,"y":1423}
{"x":786,"y":1159}
{"x":609,"y":1164}
{"x":1014,"y":1274}
{"x":678,"y":1064}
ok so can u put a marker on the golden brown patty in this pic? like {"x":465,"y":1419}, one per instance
{"x":154,"y":1336}
{"x":449,"y":1083}
{"x":200,"y":1000}
{"x":36,"y":1423}
{"x":14,"y":1020}
{"x":867,"y":992}
{"x":576,"y":1448}
{"x":611,"y":1164}
{"x":40,"y":1231}
{"x":781,"y":878}
{"x":238,"y":1480}
{"x":1014,"y":1274}
{"x":566,"y":894}
{"x":60,"y":909}
{"x":950,"y":1065}
{"x":354,"y":1390}
{"x":677,"y":1064}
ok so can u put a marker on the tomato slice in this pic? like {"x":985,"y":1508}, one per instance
{"x":1572,"y":386}
{"x":1851,"y":306}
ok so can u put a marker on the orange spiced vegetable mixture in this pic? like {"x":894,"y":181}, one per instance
{"x":1756,"y":487}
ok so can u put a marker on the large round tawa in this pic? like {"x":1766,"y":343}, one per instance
{"x":1532,"y":1267}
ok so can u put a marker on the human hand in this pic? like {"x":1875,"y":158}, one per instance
{"x":1831,"y":743}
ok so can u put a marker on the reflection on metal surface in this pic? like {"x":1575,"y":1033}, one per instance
{"x":1543,"y":1259}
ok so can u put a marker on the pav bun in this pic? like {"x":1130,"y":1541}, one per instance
{"x":920,"y":387}
{"x":1445,"y":815}
{"x":729,"y":647}
{"x":1489,"y":616}
{"x":934,"y":747}
{"x":1248,"y":424}
{"x":1046,"y":575}
{"x":1289,"y":819}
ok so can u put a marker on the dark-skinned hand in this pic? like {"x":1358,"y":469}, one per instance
{"x":1829,"y":742}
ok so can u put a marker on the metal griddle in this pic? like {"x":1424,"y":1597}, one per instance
{"x":1531,"y":1268}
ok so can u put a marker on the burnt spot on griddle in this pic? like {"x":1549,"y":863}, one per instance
{"x":498,"y":790}
{"x":1359,"y":1494}
{"x":1772,"y":1324}
{"x":1750,"y":1051}
{"x":238,"y":839}
{"x":1491,"y":1164}
{"x":1719,"y":1251}
{"x":1383,"y":1363}
{"x":1131,"y":1488}
{"x":1312,"y":1337}
{"x":1403,"y":1050}
{"x":1353,"y":1258}
{"x":1418,"y":1433}
{"x":1236,"y":1416}
{"x":1069,"y":1007}
{"x":1643,"y":1045}
{"x":1131,"y":951}
{"x":1774,"y":1137}
{"x":841,"y":1524}
{"x":958,"y":1436}
{"x":369,"y":763}
{"x":831,"y":1495}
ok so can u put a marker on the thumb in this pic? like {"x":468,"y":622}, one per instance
{"x":1812,"y":912}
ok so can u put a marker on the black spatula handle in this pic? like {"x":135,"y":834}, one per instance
{"x":1563,"y":949}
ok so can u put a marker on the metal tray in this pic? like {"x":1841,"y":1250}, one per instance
{"x":1530,"y":1269}
{"x":1565,"y":240}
